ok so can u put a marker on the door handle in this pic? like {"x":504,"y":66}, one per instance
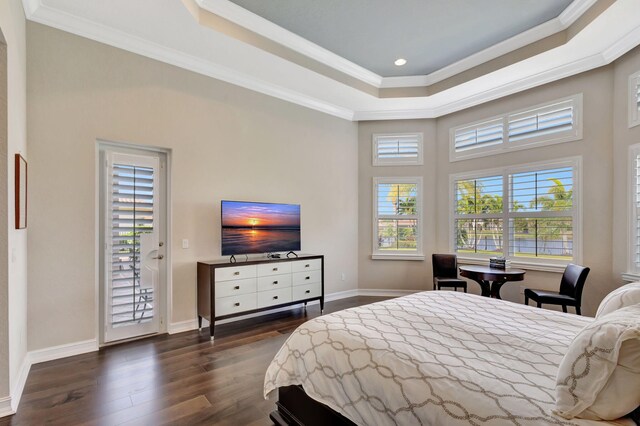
{"x":159,"y":257}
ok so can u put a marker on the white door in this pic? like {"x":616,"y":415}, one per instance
{"x":133,"y":240}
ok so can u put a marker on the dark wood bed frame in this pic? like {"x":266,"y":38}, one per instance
{"x":295,"y":407}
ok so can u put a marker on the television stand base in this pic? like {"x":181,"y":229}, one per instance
{"x":232,"y":259}
{"x":292,"y":254}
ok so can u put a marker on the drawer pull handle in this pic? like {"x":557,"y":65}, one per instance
{"x":237,"y":287}
{"x":307,"y":265}
{"x":275,"y":269}
{"x":236,"y":273}
{"x":275,"y":282}
{"x":307,"y":292}
{"x":275,"y":297}
{"x":236,"y":304}
{"x":307,"y":278}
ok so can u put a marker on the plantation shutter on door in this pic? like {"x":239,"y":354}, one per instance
{"x":132,"y":224}
{"x":636,"y":204}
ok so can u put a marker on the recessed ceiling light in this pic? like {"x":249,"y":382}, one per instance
{"x":400,"y":62}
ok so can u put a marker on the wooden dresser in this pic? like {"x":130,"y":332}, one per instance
{"x":227,"y":290}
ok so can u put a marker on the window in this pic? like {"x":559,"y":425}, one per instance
{"x":550,"y":123}
{"x":479,"y":135}
{"x":526,"y":213}
{"x":634,"y":222}
{"x":397,"y":221}
{"x":397,"y":149}
{"x":634,"y":99}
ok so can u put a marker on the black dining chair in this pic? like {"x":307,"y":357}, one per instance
{"x":445,"y":272}
{"x":570,"y":293}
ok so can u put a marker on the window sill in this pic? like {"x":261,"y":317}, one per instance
{"x":528,"y":266}
{"x":399,"y":256}
{"x":630,"y":276}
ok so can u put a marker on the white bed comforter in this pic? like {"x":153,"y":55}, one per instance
{"x":432,"y":358}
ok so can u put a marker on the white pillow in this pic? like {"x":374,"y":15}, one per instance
{"x":626,"y":295}
{"x":599,"y":376}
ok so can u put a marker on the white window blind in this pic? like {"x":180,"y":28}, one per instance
{"x":550,"y":123}
{"x":397,"y":149}
{"x":478,"y":212}
{"x":541,"y":122}
{"x":634,"y":99}
{"x":132,"y":210}
{"x":532,"y":209}
{"x":636,"y":206}
{"x":541,"y":214}
{"x":634,"y":223}
{"x":479,"y":135}
{"x":397,"y":216}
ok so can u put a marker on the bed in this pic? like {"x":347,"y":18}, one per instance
{"x":430,"y":358}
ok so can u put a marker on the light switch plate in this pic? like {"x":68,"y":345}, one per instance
{"x":185,"y":243}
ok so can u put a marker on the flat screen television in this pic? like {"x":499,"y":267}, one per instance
{"x":250,"y":227}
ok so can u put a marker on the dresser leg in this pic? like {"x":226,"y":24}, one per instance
{"x":211,"y":329}
{"x":321,"y":305}
{"x":199,"y":322}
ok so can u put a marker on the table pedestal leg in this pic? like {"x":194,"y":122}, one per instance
{"x":495,"y":289}
{"x":485,"y":286}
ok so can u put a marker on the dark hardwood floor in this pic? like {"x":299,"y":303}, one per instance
{"x":182,"y":379}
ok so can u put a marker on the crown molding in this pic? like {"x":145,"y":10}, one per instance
{"x":257,"y":24}
{"x":30,"y":7}
{"x":529,"y":82}
{"x":249,"y":20}
{"x":46,"y":15}
{"x":593,"y":47}
{"x":576,"y":9}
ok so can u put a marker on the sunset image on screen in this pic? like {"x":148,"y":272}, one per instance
{"x":238,"y":214}
{"x":259,"y":227}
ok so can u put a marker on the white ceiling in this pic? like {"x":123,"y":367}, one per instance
{"x":429,"y":34}
{"x":168,"y":31}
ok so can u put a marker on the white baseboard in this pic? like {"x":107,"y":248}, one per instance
{"x":9,"y":404}
{"x":62,"y":351}
{"x":188,"y":325}
{"x":5,"y":407}
{"x":18,"y":387}
{"x":340,"y":295}
{"x":385,"y":292}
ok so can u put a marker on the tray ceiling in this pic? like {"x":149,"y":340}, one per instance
{"x":429,"y":34}
{"x":222,"y":40}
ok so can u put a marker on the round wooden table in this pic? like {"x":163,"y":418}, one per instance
{"x":491,"y":279}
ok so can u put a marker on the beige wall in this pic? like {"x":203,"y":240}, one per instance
{"x":595,"y":149}
{"x":12,"y":23}
{"x":623,"y":137}
{"x":226,"y":142}
{"x":395,"y":274}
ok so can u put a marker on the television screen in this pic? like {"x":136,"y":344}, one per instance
{"x":259,"y":227}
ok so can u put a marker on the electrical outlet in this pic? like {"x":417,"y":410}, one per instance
{"x":344,"y":276}
{"x":185,"y":243}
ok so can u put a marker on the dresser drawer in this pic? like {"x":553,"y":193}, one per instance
{"x":235,"y":304}
{"x":274,"y":297}
{"x":306,"y":265}
{"x":306,"y":291}
{"x":236,"y":273}
{"x":275,"y":268}
{"x":300,"y":278}
{"x":274,"y":282}
{"x":236,"y":287}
